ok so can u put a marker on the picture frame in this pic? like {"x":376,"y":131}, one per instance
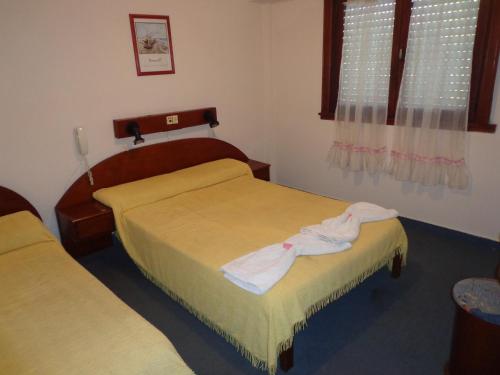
{"x":152,"y":41}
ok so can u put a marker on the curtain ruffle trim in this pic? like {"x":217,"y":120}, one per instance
{"x":454,"y":175}
{"x":438,"y":160}
{"x":357,"y":158}
{"x":353,"y":148}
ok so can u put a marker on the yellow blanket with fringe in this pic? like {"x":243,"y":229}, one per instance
{"x":56,"y":318}
{"x":193,"y":221}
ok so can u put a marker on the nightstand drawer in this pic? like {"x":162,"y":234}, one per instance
{"x":93,"y":226}
{"x":85,"y":227}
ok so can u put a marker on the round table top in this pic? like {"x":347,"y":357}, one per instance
{"x":479,"y":295}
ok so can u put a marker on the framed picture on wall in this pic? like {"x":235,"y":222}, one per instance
{"x":152,"y":40}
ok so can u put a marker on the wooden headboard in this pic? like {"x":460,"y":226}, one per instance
{"x":11,"y":202}
{"x":146,"y":162}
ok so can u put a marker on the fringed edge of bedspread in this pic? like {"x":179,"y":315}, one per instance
{"x":256,"y":362}
{"x":299,"y":326}
{"x":336,"y":294}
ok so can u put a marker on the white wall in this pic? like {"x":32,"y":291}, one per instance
{"x":69,"y":63}
{"x":303,"y":139}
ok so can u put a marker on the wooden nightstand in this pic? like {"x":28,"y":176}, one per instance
{"x":85,"y":228}
{"x":260,"y":170}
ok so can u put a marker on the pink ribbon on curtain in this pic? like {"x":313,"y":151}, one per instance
{"x":433,"y":160}
{"x":353,"y":148}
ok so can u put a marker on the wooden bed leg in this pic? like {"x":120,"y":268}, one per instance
{"x":397,"y":262}
{"x":286,"y":359}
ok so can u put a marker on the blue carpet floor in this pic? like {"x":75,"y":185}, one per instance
{"x":384,"y":326}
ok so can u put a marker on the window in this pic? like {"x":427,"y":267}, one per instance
{"x":397,"y":20}
{"x":366,"y":61}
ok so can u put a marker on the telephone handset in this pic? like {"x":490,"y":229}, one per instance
{"x":83,"y":149}
{"x":81,"y":141}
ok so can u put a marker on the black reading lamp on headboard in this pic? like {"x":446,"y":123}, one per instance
{"x":134,"y":130}
{"x":211,"y":119}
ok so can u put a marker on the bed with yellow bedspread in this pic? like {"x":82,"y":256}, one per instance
{"x":56,"y":318}
{"x":181,"y":227}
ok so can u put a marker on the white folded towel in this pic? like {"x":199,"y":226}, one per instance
{"x":306,"y":244}
{"x":345,"y":228}
{"x":258,"y":271}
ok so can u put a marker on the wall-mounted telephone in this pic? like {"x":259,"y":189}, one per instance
{"x":81,"y":141}
{"x":83,"y":150}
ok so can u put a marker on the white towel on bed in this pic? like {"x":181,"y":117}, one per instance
{"x":259,"y":271}
{"x":345,"y":228}
{"x":306,"y":244}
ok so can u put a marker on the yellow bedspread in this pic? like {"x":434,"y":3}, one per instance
{"x":182,"y":236}
{"x":56,"y":318}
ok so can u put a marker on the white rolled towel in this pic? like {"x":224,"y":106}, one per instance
{"x":345,"y":227}
{"x":257,"y":272}
{"x":306,"y":244}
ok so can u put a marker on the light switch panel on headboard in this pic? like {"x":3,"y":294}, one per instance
{"x":164,"y":122}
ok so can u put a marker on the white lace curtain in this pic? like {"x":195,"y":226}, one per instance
{"x":359,"y":130}
{"x":431,"y":119}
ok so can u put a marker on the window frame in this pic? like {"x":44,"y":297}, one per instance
{"x":484,"y":61}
